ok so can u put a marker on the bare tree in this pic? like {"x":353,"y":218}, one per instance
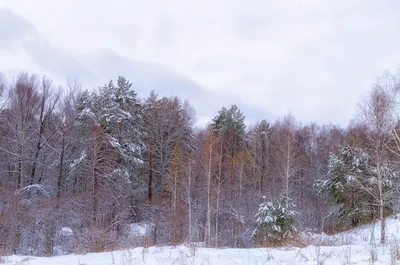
{"x":377,"y":113}
{"x":208,"y":167}
{"x":47,"y":105}
{"x":258,"y":139}
{"x":167,"y":123}
{"x":3,"y":85}
{"x":189,"y":174}
{"x":318,"y":142}
{"x":287,"y":152}
{"x":24,"y":103}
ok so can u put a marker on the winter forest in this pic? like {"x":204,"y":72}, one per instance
{"x":80,"y":169}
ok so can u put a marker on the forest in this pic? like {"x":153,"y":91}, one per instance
{"x":80,"y":166}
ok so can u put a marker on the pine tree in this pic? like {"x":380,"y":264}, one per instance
{"x":275,"y":222}
{"x":111,"y":123}
{"x":229,"y":129}
{"x":352,"y":184}
{"x":117,"y":111}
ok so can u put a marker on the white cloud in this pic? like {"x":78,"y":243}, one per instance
{"x":312,"y":57}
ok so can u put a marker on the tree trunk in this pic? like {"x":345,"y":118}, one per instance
{"x":383,"y":224}
{"x":262,"y":177}
{"x":231,"y":178}
{"x":380,"y":192}
{"x":95,"y":177}
{"x":39,"y":142}
{"x":287,"y":172}
{"x":174,"y":237}
{"x":218,"y":192}
{"x":150,"y":195}
{"x":189,"y":202}
{"x":241,"y":188}
{"x":51,"y":230}
{"x":217,"y":213}
{"x":94,"y":198}
{"x":381,"y":207}
{"x":208,"y":221}
{"x":60,"y":170}
{"x":19,"y":178}
{"x":231,"y":222}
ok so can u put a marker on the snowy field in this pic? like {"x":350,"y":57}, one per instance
{"x":352,"y":247}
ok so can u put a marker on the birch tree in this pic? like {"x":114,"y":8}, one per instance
{"x":287,"y":152}
{"x":377,"y":113}
{"x":365,"y":178}
{"x":207,"y":161}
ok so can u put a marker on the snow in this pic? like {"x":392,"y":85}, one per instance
{"x":87,"y":112}
{"x":350,"y":178}
{"x":66,"y":231}
{"x":350,"y":247}
{"x":140,"y":229}
{"x":34,"y":187}
{"x":114,"y":142}
{"x":79,"y":160}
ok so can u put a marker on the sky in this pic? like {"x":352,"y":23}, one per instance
{"x":312,"y":58}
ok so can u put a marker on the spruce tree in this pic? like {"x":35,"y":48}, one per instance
{"x":352,"y":185}
{"x":275,"y":222}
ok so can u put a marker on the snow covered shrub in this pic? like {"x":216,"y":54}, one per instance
{"x":275,"y":222}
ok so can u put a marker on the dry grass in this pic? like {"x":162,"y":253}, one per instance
{"x":394,"y":253}
{"x":3,"y":259}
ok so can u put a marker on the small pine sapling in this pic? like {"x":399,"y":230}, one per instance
{"x":275,"y":222}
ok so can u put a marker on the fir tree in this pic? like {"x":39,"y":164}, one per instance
{"x":116,"y":113}
{"x":275,"y":222}
{"x":352,"y":184}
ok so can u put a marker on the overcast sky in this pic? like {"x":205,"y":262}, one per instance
{"x":314,"y":58}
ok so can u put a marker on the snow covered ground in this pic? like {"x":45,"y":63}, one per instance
{"x":351,"y":247}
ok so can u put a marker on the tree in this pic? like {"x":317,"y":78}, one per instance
{"x":287,"y":152}
{"x":275,"y":222}
{"x":93,"y":163}
{"x":112,"y":128}
{"x":317,"y":143}
{"x":377,"y":113}
{"x":229,"y":124}
{"x":229,"y":130}
{"x":350,"y":184}
{"x":3,"y":84}
{"x":28,"y":121}
{"x":167,"y":124}
{"x":168,"y":141}
{"x":259,"y":145}
{"x":208,"y":164}
{"x":66,"y":148}
{"x":18,"y":138}
{"x":364,"y":178}
{"x":46,"y":108}
{"x":24,"y":102}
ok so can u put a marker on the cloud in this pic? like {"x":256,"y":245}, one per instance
{"x":145,"y":76}
{"x":97,"y":68}
{"x":310,"y":57}
{"x":13,"y":28}
{"x":20,"y":36}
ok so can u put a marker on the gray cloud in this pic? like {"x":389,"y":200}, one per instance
{"x":13,"y":28}
{"x":98,"y":68}
{"x":309,"y":57}
{"x":20,"y":34}
{"x":145,"y":76}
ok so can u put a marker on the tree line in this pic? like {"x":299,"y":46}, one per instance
{"x":78,"y":168}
